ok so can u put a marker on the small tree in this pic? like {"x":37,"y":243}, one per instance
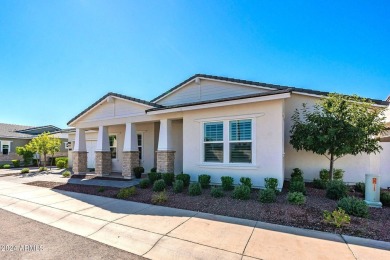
{"x":26,"y":154}
{"x":44,"y":144}
{"x":338,"y":125}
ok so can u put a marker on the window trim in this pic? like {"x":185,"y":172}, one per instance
{"x":213,"y":142}
{"x":5,"y":142}
{"x":226,"y":142}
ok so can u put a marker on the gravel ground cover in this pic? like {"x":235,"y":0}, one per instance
{"x":309,"y":215}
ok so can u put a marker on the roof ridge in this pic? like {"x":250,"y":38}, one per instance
{"x":257,"y":83}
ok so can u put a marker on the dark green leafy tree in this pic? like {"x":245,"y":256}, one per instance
{"x":336,"y":126}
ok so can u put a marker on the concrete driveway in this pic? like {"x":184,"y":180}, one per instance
{"x":157,"y":232}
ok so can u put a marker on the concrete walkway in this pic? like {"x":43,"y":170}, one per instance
{"x":157,"y":232}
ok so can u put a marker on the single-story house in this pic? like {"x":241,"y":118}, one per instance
{"x":207,"y":125}
{"x":12,"y":136}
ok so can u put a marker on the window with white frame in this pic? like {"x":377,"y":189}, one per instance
{"x":113,"y":146}
{"x":140,"y":145}
{"x":240,"y":141}
{"x":236,"y":145}
{"x":5,"y":147}
{"x":213,"y":142}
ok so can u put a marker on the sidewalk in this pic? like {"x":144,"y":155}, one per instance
{"x":157,"y":232}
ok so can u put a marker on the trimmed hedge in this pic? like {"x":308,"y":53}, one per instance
{"x":336,"y":190}
{"x":241,"y":192}
{"x":185,"y":178}
{"x":154,"y":176}
{"x":246,"y":181}
{"x":217,"y":192}
{"x":227,"y":183}
{"x":296,"y":198}
{"x":159,"y":185}
{"x":354,"y":206}
{"x":138,"y":171}
{"x":297,"y":186}
{"x":169,"y":178}
{"x":195,"y":189}
{"x":143,"y":184}
{"x":204,"y":180}
{"x":178,"y":186}
{"x":267,"y":196}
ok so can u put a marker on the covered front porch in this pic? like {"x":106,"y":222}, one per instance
{"x":115,"y":150}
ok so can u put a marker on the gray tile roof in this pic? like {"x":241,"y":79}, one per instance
{"x":255,"y":83}
{"x":10,"y":131}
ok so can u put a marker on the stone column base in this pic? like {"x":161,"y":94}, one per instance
{"x":79,"y":162}
{"x":165,"y":161}
{"x":103,"y":163}
{"x":129,"y":162}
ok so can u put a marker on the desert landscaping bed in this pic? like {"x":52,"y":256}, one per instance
{"x":309,"y":215}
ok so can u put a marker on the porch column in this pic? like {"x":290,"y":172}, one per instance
{"x":165,"y":153}
{"x":102,"y":153}
{"x":130,"y":151}
{"x":79,"y":154}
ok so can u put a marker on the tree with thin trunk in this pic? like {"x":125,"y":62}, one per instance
{"x":336,"y":126}
{"x":44,"y":144}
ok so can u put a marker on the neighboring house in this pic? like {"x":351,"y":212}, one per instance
{"x":12,"y":136}
{"x":206,"y":125}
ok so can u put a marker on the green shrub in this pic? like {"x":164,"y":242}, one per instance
{"x":178,"y":186}
{"x":6,"y":166}
{"x":338,"y":174}
{"x":65,"y":159}
{"x":169,"y":178}
{"x":360,"y":187}
{"x":35,"y":162}
{"x":204,"y":180}
{"x":324,"y":175}
{"x":296,"y":198}
{"x":60,"y":164}
{"x":297,"y":175}
{"x":16,"y":163}
{"x":138,"y":171}
{"x":144,"y":183}
{"x":297,"y":186}
{"x":41,"y":169}
{"x":246,"y":181}
{"x":195,"y":189}
{"x":336,"y":190}
{"x":185,"y":178}
{"x":154,"y":169}
{"x":1,"y":166}
{"x":25,"y":170}
{"x":385,"y":198}
{"x":267,"y":196}
{"x":159,"y":198}
{"x":217,"y":192}
{"x":101,"y":189}
{"x":354,"y":206}
{"x":159,"y":185}
{"x":66,"y":174}
{"x":319,"y":184}
{"x":227,"y":183}
{"x":241,"y":192}
{"x":271,"y":183}
{"x":154,"y":176}
{"x":337,"y":217}
{"x":126,"y":193}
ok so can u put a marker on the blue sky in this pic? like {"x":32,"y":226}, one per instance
{"x":58,"y":57}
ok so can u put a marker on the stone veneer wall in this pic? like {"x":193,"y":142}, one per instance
{"x":79,"y":162}
{"x":166,"y":161}
{"x":103,"y":163}
{"x":130,"y":161}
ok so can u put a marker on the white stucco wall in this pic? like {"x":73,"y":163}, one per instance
{"x":268,"y":148}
